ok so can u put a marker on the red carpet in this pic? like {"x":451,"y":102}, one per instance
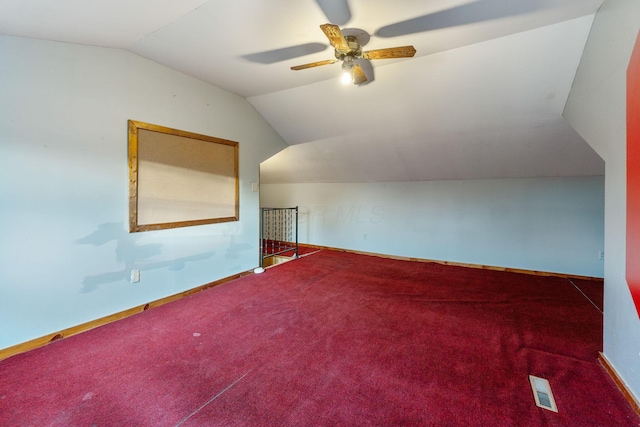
{"x":282,"y":249}
{"x":593,"y":290}
{"x":326,"y":340}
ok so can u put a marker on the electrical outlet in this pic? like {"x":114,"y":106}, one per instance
{"x":135,"y":276}
{"x":601,"y":255}
{"x":365,"y":237}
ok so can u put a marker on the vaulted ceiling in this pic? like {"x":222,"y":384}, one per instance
{"x":483,"y":96}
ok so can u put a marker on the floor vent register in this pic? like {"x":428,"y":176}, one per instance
{"x":542,"y":393}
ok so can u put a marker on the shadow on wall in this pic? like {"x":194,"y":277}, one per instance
{"x":130,"y":254}
{"x":235,"y":249}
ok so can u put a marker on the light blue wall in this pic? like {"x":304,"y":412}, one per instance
{"x":543,"y":224}
{"x":597,"y":110}
{"x":65,"y":250}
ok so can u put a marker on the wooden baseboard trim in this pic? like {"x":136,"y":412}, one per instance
{"x":619,"y":383}
{"x":74,"y":330}
{"x":461,"y":264}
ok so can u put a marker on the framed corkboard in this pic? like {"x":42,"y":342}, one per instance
{"x":180,"y":179}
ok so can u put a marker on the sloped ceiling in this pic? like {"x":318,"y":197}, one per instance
{"x":482,"y":98}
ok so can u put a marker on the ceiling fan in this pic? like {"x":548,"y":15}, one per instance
{"x":348,"y":50}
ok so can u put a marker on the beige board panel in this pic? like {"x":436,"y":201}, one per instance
{"x":181,"y":179}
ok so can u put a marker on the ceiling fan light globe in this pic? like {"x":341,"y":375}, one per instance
{"x":347,"y":77}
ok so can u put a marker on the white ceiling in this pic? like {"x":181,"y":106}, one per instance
{"x":482,"y":98}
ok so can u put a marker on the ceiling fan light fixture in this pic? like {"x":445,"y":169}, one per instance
{"x":347,"y":71}
{"x":347,"y":77}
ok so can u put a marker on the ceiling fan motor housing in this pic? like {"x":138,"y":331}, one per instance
{"x":355,"y":50}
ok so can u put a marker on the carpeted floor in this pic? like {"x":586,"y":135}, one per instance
{"x":332,"y":339}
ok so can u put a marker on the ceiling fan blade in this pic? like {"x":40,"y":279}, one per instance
{"x":392,"y":52}
{"x":314,"y":64}
{"x":277,"y":55}
{"x":336,"y":38}
{"x":478,"y":11}
{"x":336,"y":11}
{"x":367,"y":68}
{"x":358,"y":75}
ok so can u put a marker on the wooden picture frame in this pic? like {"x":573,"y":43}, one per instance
{"x":180,"y":179}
